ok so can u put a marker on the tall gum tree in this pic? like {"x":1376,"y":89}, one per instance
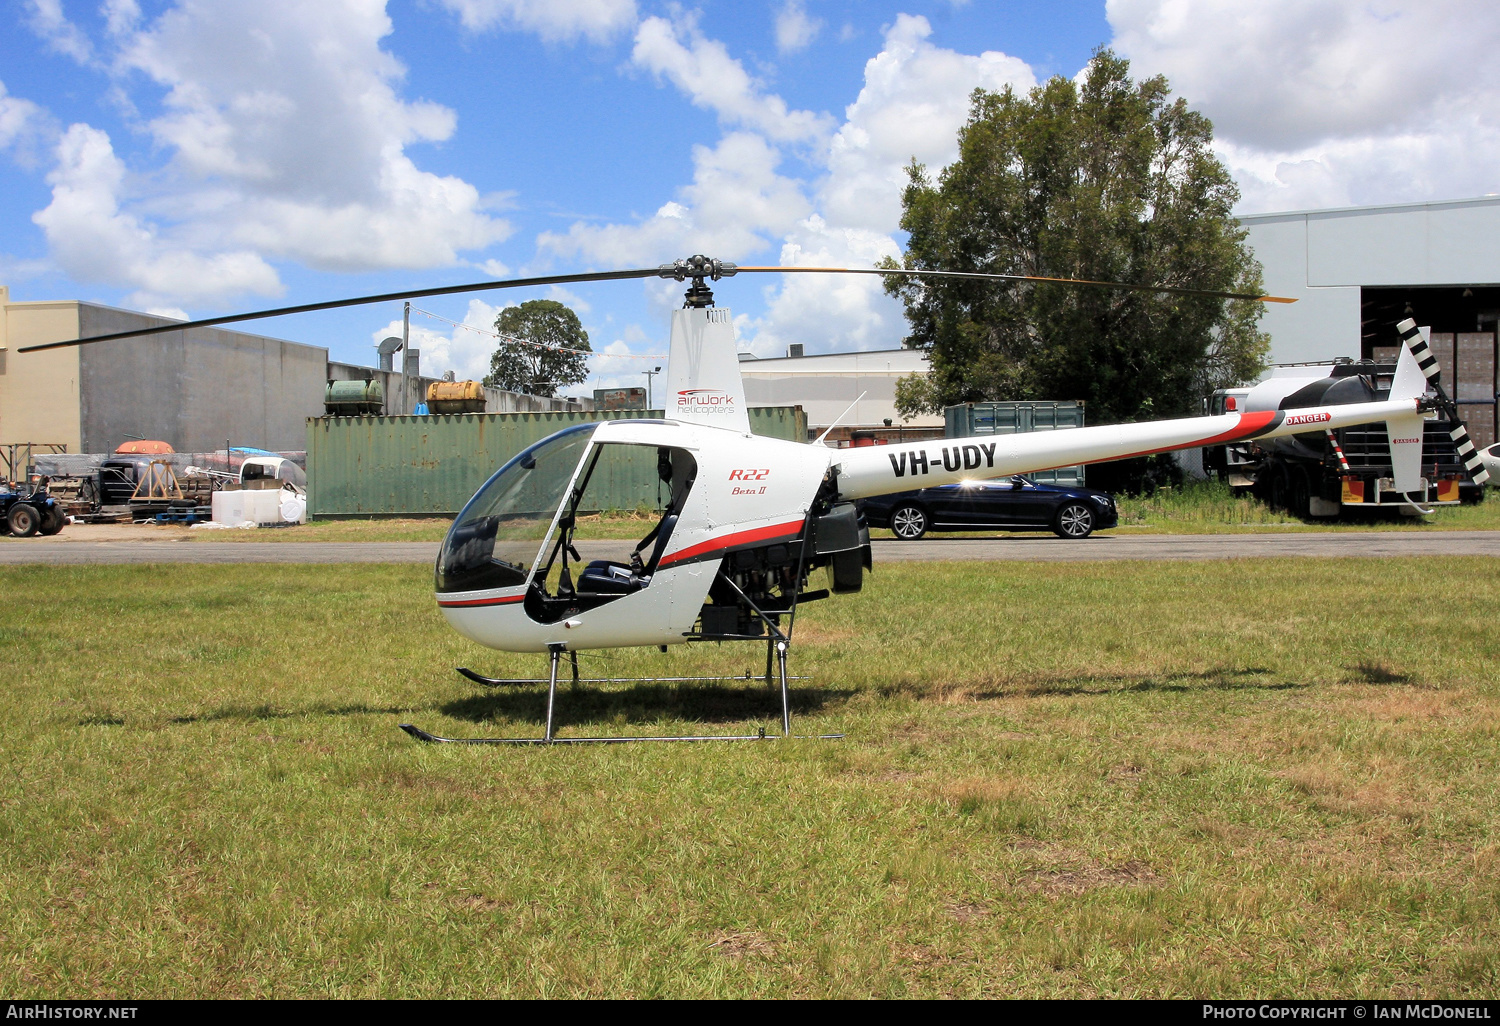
{"x":533,"y":355}
{"x":1106,"y":180}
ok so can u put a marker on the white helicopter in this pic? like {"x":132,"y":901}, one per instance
{"x":749,"y":519}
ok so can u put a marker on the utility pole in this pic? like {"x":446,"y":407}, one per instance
{"x":404,"y":406}
{"x":649,"y":375}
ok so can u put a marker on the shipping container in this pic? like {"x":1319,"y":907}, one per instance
{"x":1008,"y":418}
{"x":425,"y":466}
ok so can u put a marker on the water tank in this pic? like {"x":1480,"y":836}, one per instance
{"x":353,"y":398}
{"x":455,"y":397}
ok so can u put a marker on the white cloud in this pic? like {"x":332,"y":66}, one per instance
{"x":121,"y":16}
{"x":795,"y":29}
{"x":735,"y":205}
{"x":703,"y":70}
{"x":291,"y":106}
{"x":91,"y":239}
{"x":445,"y":347}
{"x":553,"y":20}
{"x":18,"y":118}
{"x":48,"y":21}
{"x":1338,"y":102}
{"x":286,"y":138}
{"x":829,"y":312}
{"x":622,"y":363}
{"x":914,"y":99}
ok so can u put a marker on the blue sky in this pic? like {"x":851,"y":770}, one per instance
{"x":206,"y":156}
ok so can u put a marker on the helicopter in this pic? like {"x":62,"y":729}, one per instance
{"x":749,"y":520}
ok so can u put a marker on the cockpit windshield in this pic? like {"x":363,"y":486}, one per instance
{"x":495,"y":540}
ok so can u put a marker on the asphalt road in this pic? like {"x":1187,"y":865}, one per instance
{"x":1040,"y":548}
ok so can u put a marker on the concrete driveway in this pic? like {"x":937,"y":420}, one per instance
{"x":1038,"y":548}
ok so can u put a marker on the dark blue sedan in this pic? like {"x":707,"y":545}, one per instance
{"x":1014,"y":504}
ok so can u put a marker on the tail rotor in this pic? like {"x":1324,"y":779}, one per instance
{"x":1412,"y":337}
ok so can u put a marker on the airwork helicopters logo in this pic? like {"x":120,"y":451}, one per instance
{"x":704,"y":400}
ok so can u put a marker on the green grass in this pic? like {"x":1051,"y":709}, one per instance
{"x":1248,"y":778}
{"x":1211,"y":507}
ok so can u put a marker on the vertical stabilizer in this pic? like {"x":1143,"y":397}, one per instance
{"x":703,"y":371}
{"x":1418,"y":340}
{"x":1406,"y":432}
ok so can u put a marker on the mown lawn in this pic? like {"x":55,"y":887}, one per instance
{"x":1247,"y":778}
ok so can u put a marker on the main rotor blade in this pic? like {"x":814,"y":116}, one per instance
{"x":445,"y":290}
{"x":1174,"y":289}
{"x":642,"y":272}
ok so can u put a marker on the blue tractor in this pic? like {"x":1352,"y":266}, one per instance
{"x":24,"y":514}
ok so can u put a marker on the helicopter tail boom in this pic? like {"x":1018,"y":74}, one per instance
{"x":885,"y":469}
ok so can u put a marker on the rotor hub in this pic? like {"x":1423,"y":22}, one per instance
{"x":698,"y":269}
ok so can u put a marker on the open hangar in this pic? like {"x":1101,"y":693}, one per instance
{"x":1356,"y":271}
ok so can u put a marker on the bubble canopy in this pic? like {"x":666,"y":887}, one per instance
{"x":498,"y":534}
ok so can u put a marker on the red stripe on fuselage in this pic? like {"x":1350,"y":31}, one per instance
{"x":717,"y":545}
{"x":1249,"y":425}
{"x":503,"y":600}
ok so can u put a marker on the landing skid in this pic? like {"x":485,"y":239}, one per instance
{"x":422,"y":735}
{"x":497,"y":682}
{"x":549,"y":738}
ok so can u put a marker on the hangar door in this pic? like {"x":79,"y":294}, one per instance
{"x":1468,"y":359}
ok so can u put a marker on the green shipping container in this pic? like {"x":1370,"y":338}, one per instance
{"x":1008,"y":418}
{"x":424,"y":466}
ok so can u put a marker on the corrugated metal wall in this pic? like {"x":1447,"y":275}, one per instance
{"x":432,"y":465}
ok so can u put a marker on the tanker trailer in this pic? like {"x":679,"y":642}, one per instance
{"x":1321,"y":473}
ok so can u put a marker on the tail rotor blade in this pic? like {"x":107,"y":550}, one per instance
{"x":1411,"y":335}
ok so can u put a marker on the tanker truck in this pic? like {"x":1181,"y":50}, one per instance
{"x":1323,"y":473}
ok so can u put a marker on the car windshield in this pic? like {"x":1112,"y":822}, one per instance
{"x":496,"y":537}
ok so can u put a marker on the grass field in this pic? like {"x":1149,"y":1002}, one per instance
{"x":1251,"y":778}
{"x":1209,"y":507}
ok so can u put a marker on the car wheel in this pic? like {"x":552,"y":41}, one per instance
{"x":23,"y":520}
{"x":909,"y":522}
{"x":1074,"y":520}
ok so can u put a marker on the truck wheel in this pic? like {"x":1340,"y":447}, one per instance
{"x":23,"y":520}
{"x":1278,"y":489}
{"x":909,"y":522}
{"x":52,"y":521}
{"x":1300,"y":492}
{"x":1074,"y":520}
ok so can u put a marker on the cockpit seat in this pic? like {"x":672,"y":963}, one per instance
{"x":601,"y":577}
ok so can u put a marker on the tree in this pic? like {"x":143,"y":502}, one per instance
{"x":1107,"y":180}
{"x":533,"y":356}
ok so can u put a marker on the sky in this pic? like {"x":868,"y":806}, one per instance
{"x":200,"y":157}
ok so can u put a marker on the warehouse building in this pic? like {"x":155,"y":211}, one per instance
{"x":196,"y":390}
{"x":1355,"y":272}
{"x":829,"y":387}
